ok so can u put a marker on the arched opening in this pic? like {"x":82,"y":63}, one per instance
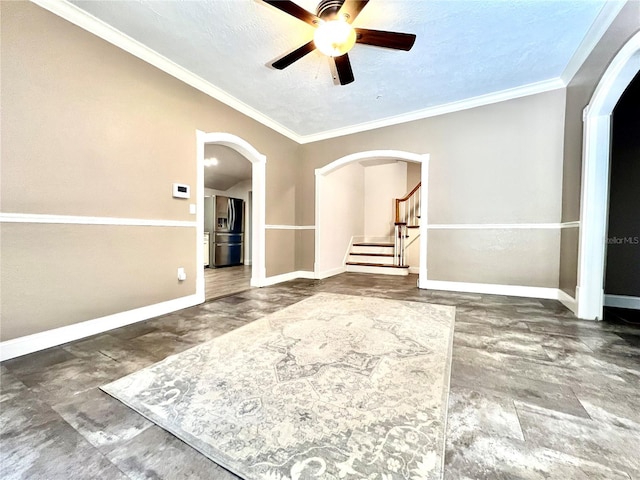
{"x":258,"y":164}
{"x":595,"y":178}
{"x":322,"y":193}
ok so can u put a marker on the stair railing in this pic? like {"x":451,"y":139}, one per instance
{"x":407,"y":216}
{"x":408,"y":207}
{"x":398,"y":244}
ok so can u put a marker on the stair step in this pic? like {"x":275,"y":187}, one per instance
{"x":362,"y":264}
{"x":373,"y":244}
{"x":356,"y":267}
{"x":413,"y":226}
{"x":368,"y":257}
{"x":371,"y":250}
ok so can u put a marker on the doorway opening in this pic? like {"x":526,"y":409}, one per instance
{"x":329,"y":254}
{"x":227,"y":186}
{"x":622,"y":275}
{"x":595,"y":178}
{"x":246,"y":183}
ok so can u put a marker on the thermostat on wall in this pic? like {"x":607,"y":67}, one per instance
{"x":180,"y":190}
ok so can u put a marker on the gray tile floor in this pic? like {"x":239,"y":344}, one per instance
{"x":221,"y":282}
{"x":535,"y":393}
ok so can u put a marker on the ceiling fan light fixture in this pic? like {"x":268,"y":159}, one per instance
{"x":334,"y":37}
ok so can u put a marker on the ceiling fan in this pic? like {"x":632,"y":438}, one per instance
{"x":334,"y":35}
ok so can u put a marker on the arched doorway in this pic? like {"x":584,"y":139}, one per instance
{"x":258,"y":164}
{"x":595,"y":178}
{"x":321,"y":174}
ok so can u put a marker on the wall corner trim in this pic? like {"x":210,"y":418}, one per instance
{"x":50,"y":338}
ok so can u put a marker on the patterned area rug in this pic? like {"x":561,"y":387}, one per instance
{"x":332,"y":387}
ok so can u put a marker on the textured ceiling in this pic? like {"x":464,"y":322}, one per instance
{"x":464,"y":49}
{"x":231,"y":169}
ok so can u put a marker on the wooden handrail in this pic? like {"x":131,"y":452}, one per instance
{"x":404,"y":199}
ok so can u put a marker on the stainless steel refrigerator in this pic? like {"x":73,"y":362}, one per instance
{"x":224,"y":220}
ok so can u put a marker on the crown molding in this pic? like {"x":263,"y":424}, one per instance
{"x":603,"y":21}
{"x":88,"y":22}
{"x":482,"y":100}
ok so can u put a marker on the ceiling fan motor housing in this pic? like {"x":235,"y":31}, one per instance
{"x":334,"y":35}
{"x":328,"y":9}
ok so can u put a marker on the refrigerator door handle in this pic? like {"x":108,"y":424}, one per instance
{"x":233,"y":214}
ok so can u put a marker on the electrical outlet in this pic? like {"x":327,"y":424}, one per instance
{"x":181,"y":274}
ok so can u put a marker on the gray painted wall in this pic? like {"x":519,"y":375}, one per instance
{"x":499,"y":163}
{"x":90,"y":130}
{"x":116,"y":145}
{"x":579,"y":92}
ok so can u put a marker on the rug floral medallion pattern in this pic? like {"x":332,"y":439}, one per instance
{"x":332,"y":387}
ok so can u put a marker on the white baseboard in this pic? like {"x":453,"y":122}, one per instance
{"x":58,"y":336}
{"x":330,"y":273}
{"x":494,"y":289}
{"x":306,"y":274}
{"x":568,"y":301}
{"x":622,"y":301}
{"x":285,"y":277}
{"x":510,"y":290}
{"x":403,"y":272}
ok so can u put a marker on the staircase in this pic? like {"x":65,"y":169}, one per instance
{"x":387,"y":255}
{"x":374,"y":257}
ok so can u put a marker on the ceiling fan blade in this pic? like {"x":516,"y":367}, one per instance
{"x":380,"y":38}
{"x":294,"y":56}
{"x":343,"y":67}
{"x":295,"y":11}
{"x":352,"y":8}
